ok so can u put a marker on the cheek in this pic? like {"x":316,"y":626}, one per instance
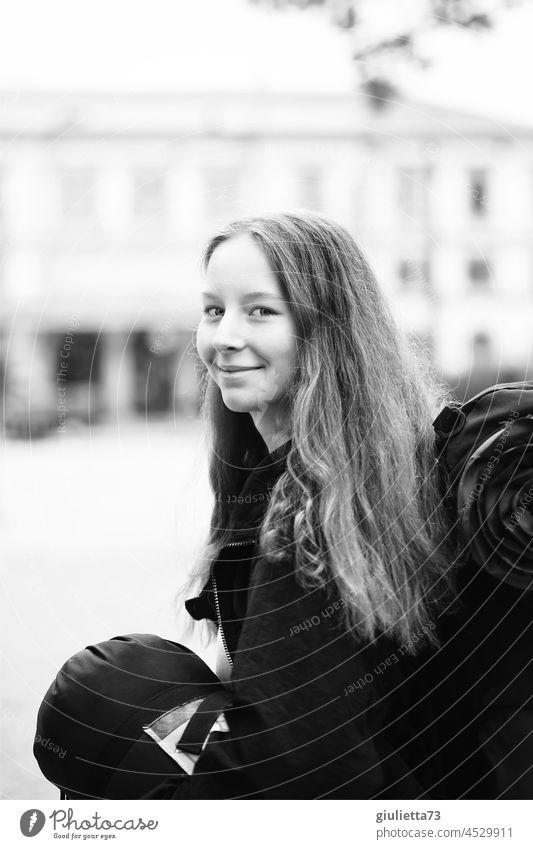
{"x":285,"y":357}
{"x":288,"y":348}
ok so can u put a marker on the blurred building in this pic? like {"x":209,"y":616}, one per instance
{"x":106,"y":202}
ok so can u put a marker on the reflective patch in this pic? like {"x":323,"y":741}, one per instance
{"x":169,"y":728}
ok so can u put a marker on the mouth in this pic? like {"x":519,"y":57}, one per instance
{"x":236,"y":369}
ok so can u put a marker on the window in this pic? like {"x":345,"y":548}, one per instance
{"x":482,"y":349}
{"x":343,"y":13}
{"x":309,"y":186}
{"x":77,"y":359}
{"x":222,"y":190}
{"x":479,"y":273}
{"x":414,"y":275}
{"x":413,"y":192}
{"x":77,"y":193}
{"x":154,"y":374}
{"x":478,"y":192}
{"x":149,"y":194}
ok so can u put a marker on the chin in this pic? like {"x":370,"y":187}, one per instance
{"x":237,"y":405}
{"x":242,"y":405}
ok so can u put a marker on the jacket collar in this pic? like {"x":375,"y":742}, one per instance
{"x":249,"y":506}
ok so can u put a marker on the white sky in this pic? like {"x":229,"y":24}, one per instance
{"x":115,"y":45}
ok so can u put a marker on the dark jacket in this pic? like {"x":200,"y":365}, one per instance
{"x":316,"y":714}
{"x":309,"y":703}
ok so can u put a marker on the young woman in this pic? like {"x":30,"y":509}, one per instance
{"x":355,"y":659}
{"x":329,"y":553}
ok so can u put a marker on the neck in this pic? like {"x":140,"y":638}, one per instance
{"x":272,"y":428}
{"x":273,"y":444}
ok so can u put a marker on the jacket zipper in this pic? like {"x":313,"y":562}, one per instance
{"x":217,"y":606}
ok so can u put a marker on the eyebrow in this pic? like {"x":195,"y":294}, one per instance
{"x":247,"y":295}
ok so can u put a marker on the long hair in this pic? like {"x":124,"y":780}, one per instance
{"x":359,"y":506}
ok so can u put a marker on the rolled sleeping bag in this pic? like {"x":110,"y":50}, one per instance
{"x":110,"y":724}
{"x":485,"y":448}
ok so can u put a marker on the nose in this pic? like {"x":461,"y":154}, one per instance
{"x":228,"y":334}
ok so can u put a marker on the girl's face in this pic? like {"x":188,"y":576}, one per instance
{"x":246,"y":336}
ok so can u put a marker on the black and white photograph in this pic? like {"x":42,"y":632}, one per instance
{"x":266,"y":476}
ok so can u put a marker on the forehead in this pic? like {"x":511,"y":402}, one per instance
{"x":238,"y":263}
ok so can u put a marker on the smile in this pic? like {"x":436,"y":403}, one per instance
{"x":237,"y":370}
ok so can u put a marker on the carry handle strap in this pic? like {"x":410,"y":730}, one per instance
{"x":449,"y":421}
{"x":201,"y":722}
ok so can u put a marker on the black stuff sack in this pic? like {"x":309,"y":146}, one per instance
{"x":106,"y":728}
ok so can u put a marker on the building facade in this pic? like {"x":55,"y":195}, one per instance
{"x":107,"y":200}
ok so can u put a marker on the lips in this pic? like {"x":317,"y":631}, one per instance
{"x":231,"y":369}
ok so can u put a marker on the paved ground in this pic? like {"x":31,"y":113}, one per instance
{"x":96,"y":533}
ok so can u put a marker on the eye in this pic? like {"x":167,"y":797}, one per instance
{"x":207,"y":311}
{"x":271,"y":312}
